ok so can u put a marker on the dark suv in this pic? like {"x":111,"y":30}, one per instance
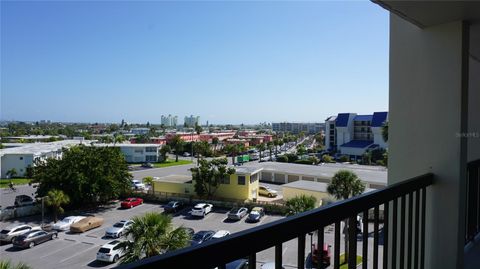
{"x":21,"y":200}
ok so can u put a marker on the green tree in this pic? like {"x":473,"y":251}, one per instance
{"x":56,"y":199}
{"x":29,"y":171}
{"x":301,"y":150}
{"x":344,"y":185}
{"x":142,"y":138}
{"x":7,"y":264}
{"x":198,"y":128}
{"x":164,"y":150}
{"x":233,"y":150}
{"x":385,"y":131}
{"x":11,"y":173}
{"x":88,"y":175}
{"x":300,"y":204}
{"x":209,"y":175}
{"x":118,"y":138}
{"x":150,"y":235}
{"x":177,"y":144}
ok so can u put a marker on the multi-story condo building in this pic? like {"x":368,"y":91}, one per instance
{"x":297,"y":127}
{"x":140,"y":131}
{"x":352,"y":134}
{"x":169,"y":121}
{"x":192,"y":120}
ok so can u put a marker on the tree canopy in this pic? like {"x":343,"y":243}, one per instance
{"x":209,"y":175}
{"x":86,"y":174}
{"x":345,"y":184}
{"x":300,"y":204}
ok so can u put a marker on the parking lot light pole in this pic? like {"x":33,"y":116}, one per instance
{"x":43,"y":209}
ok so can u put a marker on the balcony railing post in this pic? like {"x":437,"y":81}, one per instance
{"x":352,"y":241}
{"x":365,"y":240}
{"x":278,"y":256}
{"x":320,"y":243}
{"x":336,"y":255}
{"x":386,"y":215}
{"x":375,"y":237}
{"x":301,"y":252}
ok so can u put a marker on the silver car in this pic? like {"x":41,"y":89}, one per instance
{"x":118,"y":229}
{"x":65,"y":224}
{"x":237,"y":213}
{"x":10,"y":233}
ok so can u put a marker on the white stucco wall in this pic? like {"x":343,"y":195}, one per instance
{"x":425,"y":85}
{"x":10,"y":161}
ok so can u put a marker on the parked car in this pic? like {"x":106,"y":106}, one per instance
{"x":22,"y":200}
{"x":110,"y":252}
{"x":173,"y":206}
{"x":131,"y":202}
{"x":237,"y":213}
{"x":326,"y":254}
{"x":8,"y":234}
{"x":201,"y":209}
{"x":32,"y":238}
{"x":186,"y":154}
{"x":147,"y":165}
{"x":201,"y":237}
{"x":86,"y":224}
{"x":256,"y":214}
{"x":266,"y":191}
{"x":237,"y":264}
{"x":220,"y":234}
{"x":137,"y":185}
{"x":118,"y":229}
{"x":65,"y":223}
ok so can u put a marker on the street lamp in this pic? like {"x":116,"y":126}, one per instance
{"x":43,"y":209}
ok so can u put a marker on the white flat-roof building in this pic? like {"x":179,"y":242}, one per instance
{"x":22,"y":155}
{"x":374,"y":177}
{"x":137,"y":153}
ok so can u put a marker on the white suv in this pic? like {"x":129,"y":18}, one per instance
{"x":137,"y":185}
{"x":200,"y":210}
{"x":110,"y":252}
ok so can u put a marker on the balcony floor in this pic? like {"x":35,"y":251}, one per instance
{"x":472,"y":254}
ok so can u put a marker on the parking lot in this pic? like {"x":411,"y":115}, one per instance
{"x":79,"y":250}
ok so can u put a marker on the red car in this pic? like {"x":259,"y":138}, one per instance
{"x":131,"y":202}
{"x":326,"y":255}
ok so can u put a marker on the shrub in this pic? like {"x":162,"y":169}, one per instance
{"x":303,"y":162}
{"x":300,"y":204}
{"x":282,"y":159}
{"x":327,"y":158}
{"x":291,"y":157}
{"x":344,"y":158}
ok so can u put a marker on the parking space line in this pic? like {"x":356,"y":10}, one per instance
{"x":77,"y":253}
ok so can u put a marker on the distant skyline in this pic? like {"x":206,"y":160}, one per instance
{"x":227,"y":62}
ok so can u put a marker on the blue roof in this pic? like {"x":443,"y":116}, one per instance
{"x":379,"y":118}
{"x":363,"y":118}
{"x":342,"y":120}
{"x":358,"y":144}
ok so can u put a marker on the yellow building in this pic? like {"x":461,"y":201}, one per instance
{"x":241,"y":186}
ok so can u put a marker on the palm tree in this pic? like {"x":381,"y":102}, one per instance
{"x":261,"y":147}
{"x":270,"y":147}
{"x":177,"y":144}
{"x":345,"y":184}
{"x":57,"y":198}
{"x":231,"y":149}
{"x":150,"y":235}
{"x":215,"y":142}
{"x":11,"y":173}
{"x":164,"y":151}
{"x":385,"y":131}
{"x":149,"y":180}
{"x":9,"y":265}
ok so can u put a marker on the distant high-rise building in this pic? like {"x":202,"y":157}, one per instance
{"x":192,"y":121}
{"x":169,"y":121}
{"x":297,"y":127}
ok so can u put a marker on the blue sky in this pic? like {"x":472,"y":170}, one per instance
{"x":228,"y":62}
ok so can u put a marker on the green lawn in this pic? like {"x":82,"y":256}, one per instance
{"x":170,"y":162}
{"x":344,"y":265}
{"x":16,"y":181}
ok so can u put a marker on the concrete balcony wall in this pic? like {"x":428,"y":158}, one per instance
{"x":474,"y":94}
{"x":425,"y":117}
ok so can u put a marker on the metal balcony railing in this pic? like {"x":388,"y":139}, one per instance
{"x":405,"y":230}
{"x":473,"y":201}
